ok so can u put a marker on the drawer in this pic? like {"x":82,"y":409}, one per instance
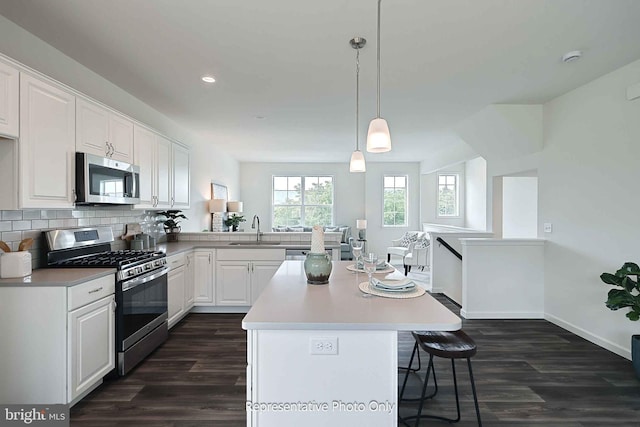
{"x":80,"y":295}
{"x":175,"y":261}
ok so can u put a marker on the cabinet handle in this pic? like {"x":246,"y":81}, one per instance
{"x":172,"y":201}
{"x":75,"y":195}
{"x":115,"y":305}
{"x":248,"y":268}
{"x":95,"y":290}
{"x":252,"y":267}
{"x":209,"y":257}
{"x":107,"y":149}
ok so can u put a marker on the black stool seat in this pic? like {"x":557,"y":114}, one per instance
{"x":448,"y":345}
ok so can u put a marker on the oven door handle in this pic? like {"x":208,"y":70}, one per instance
{"x":144,"y":279}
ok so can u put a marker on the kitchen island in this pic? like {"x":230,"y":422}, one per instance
{"x":322,"y":355}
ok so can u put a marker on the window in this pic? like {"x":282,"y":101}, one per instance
{"x":448,"y":195}
{"x":302,"y":200}
{"x":395,"y":201}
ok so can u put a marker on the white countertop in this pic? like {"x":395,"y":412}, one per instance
{"x":58,"y":277}
{"x":289,"y":303}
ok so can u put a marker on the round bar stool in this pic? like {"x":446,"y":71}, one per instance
{"x":448,"y":345}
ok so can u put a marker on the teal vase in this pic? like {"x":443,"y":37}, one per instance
{"x":317,"y":267}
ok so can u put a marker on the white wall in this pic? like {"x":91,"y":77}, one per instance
{"x":207,"y":162}
{"x":588,"y":178}
{"x":519,"y":207}
{"x":475,"y":195}
{"x":429,"y":197}
{"x":349,"y":189}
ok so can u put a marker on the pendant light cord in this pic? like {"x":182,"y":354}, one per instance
{"x":357,"y":98}
{"x":378,"y":47}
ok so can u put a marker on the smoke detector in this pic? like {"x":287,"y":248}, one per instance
{"x":572,"y":56}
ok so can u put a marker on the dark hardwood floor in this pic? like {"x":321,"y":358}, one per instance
{"x":527,"y":372}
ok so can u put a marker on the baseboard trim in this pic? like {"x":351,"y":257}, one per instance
{"x":501,"y":314}
{"x":615,"y":348}
{"x":219,"y":309}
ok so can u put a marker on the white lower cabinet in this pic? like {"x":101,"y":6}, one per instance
{"x":242,"y":274}
{"x":233,"y":283}
{"x":179,"y":286}
{"x":91,"y":338}
{"x":70,"y":344}
{"x":203,"y":277}
{"x":176,"y":284}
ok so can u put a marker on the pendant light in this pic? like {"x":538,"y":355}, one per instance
{"x":357,"y":163}
{"x":378,"y":137}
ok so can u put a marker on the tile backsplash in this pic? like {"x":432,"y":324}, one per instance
{"x":18,"y":225}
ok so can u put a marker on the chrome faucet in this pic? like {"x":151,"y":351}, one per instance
{"x":253,"y":225}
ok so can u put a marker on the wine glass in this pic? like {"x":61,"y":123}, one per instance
{"x":370,"y":263}
{"x":356,"y":248}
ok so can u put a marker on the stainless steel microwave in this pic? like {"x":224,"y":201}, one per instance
{"x":100,"y":180}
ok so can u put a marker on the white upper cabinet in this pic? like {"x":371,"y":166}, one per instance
{"x":164,"y":173}
{"x":144,"y":155}
{"x":180,"y":181}
{"x":164,"y":170}
{"x":103,"y":132}
{"x":9,"y":89}
{"x":47,"y":145}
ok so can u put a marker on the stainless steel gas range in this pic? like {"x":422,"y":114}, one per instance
{"x":141,"y":287}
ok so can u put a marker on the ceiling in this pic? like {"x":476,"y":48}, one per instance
{"x":285,"y":72}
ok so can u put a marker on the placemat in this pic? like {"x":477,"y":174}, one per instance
{"x":366,"y":288}
{"x":389,"y":269}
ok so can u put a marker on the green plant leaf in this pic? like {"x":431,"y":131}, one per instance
{"x":629,"y":284}
{"x":633,"y":315}
{"x":619,"y":298}
{"x":628,"y":269}
{"x":611,"y":279}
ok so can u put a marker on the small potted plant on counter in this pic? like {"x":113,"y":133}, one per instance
{"x":627,"y":296}
{"x":171,"y":226}
{"x":234,"y":221}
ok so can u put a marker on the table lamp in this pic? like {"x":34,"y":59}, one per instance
{"x":361,"y":225}
{"x":216,"y":208}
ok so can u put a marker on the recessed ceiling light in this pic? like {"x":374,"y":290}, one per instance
{"x":260,"y":117}
{"x":571,"y":56}
{"x":208,"y":79}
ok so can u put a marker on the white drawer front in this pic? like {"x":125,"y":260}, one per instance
{"x":89,"y":292}
{"x":175,"y":261}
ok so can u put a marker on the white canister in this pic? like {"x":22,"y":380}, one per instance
{"x":15,"y":264}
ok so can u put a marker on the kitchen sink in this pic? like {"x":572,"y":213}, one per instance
{"x":254,"y":243}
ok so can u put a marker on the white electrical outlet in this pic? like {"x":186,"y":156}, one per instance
{"x":548,"y":227}
{"x":323,"y":345}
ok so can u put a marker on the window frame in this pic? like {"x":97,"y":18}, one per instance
{"x":457,"y":191}
{"x":406,"y":200}
{"x":302,"y":204}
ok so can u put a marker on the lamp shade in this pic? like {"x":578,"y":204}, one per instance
{"x":234,"y":206}
{"x":378,"y":137}
{"x":217,"y":205}
{"x":361,"y":224}
{"x":357,"y":163}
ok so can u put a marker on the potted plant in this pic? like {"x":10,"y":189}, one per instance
{"x":171,"y":226}
{"x":234,"y":221}
{"x":627,"y":296}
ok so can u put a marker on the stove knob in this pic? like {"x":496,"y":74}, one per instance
{"x":130,"y":273}
{"x":147,"y":266}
